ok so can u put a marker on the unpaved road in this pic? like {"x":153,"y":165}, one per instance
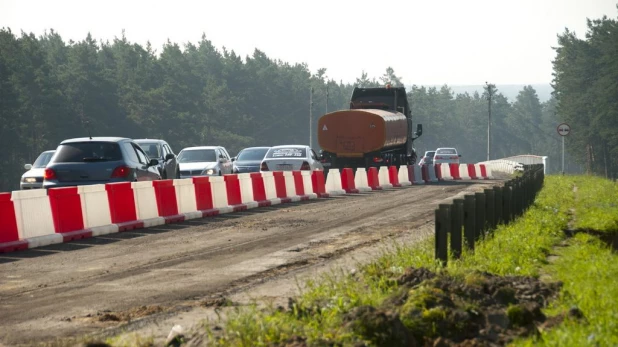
{"x":146,"y":279}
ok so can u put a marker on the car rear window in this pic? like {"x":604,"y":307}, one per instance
{"x":152,"y":149}
{"x":42,"y":160}
{"x":447,"y":151}
{"x":77,"y":152}
{"x":287,"y":153}
{"x":197,"y":156}
{"x":252,"y":154}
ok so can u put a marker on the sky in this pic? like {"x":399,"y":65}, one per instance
{"x":454,"y":42}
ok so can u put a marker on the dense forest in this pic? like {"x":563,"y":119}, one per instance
{"x":197,"y":94}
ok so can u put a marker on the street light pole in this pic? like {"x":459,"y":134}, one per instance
{"x":311,"y":118}
{"x":490,"y":92}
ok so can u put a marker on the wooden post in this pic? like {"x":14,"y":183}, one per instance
{"x":469,"y":220}
{"x":498,"y":204}
{"x":490,"y":209}
{"x":456,"y":233}
{"x":442,"y":228}
{"x":480,"y":214}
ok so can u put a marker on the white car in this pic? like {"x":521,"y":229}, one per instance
{"x":291,"y":158}
{"x":204,"y":161}
{"x":33,"y":178}
{"x":446,"y":155}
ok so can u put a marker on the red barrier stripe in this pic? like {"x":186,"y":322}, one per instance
{"x":8,"y":226}
{"x":121,"y":202}
{"x":66,"y":209}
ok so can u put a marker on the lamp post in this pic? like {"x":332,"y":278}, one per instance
{"x":490,"y":92}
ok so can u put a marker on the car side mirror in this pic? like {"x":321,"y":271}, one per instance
{"x":153,"y":162}
{"x":460,"y":155}
{"x":169,"y":156}
{"x":419,"y":130}
{"x":234,"y":159}
{"x":28,"y":166}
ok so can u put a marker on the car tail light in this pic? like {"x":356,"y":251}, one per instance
{"x":454,"y":157}
{"x":263,"y":167}
{"x":121,"y":172}
{"x":49,"y":174}
{"x":438,"y":157}
{"x":377,"y":160}
{"x":305,"y":166}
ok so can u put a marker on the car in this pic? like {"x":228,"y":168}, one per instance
{"x":33,"y":178}
{"x":98,"y":160}
{"x":290,"y":158}
{"x":427,"y":158}
{"x":446,"y":155}
{"x":204,"y":161}
{"x":161,"y":150}
{"x":249,"y":159}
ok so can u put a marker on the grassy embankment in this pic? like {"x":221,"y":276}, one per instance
{"x":333,"y":310}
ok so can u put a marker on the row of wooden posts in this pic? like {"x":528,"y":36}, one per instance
{"x":469,"y":219}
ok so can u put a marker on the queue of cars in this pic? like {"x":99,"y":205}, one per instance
{"x":99,"y":160}
{"x":442,"y":155}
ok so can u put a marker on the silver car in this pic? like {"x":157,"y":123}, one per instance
{"x":290,"y":158}
{"x":33,"y":178}
{"x":204,"y":161}
{"x":446,"y":155}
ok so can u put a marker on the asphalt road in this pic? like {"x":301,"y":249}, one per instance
{"x":135,"y":280}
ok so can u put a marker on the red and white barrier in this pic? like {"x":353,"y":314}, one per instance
{"x":270,"y":188}
{"x":318,"y":183}
{"x":472,"y":171}
{"x":306,"y":177}
{"x":347,"y":181}
{"x":146,"y":204}
{"x":393,"y":176}
{"x":463,"y":172}
{"x":416,"y":175}
{"x":383,"y":178}
{"x":360,"y":180}
{"x":186,"y":199}
{"x":95,"y":209}
{"x":9,"y":233}
{"x":333,"y":182}
{"x":404,"y":175}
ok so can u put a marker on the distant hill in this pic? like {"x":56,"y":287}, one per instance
{"x":510,"y":91}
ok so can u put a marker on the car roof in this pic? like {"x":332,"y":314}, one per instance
{"x":200,"y":147}
{"x":446,"y":148}
{"x":96,"y":139}
{"x":150,"y":140}
{"x":259,"y":147}
{"x":290,"y":146}
{"x":50,"y":151}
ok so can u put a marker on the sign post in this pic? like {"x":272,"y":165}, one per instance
{"x":563,"y":130}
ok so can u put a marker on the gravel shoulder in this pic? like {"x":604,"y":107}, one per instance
{"x":146,"y":281}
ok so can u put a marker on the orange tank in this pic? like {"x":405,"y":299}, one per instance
{"x":354,"y":133}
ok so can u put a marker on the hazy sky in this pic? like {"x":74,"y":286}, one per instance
{"x":426,"y":42}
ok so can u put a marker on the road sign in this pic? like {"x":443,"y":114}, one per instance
{"x":564,"y":129}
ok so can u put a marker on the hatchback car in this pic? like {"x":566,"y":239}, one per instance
{"x":161,"y":150}
{"x":98,"y":160}
{"x":249,"y":159}
{"x":33,"y":178}
{"x":204,"y":161}
{"x":291,"y":158}
{"x":427,"y":158}
{"x":446,"y":156}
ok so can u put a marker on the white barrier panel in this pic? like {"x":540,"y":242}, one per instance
{"x":290,"y":187}
{"x":146,"y":203}
{"x":33,"y":212}
{"x":246,"y":190}
{"x":463,"y":172}
{"x":308,"y":185}
{"x":431,"y":169}
{"x":402,"y":175}
{"x":383,"y":178}
{"x":219,"y":192}
{"x":445,"y":170}
{"x":333,"y":182}
{"x":95,"y":205}
{"x":489,"y":173}
{"x":418,"y":175}
{"x":185,"y":195}
{"x":270,"y":188}
{"x":360,"y":180}
{"x":479,"y":175}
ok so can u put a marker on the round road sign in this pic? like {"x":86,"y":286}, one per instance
{"x":564,"y":129}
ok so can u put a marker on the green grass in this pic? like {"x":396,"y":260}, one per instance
{"x":588,"y":269}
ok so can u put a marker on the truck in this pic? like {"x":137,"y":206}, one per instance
{"x":376,"y":131}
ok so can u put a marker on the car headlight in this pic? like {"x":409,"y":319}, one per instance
{"x":208,"y":172}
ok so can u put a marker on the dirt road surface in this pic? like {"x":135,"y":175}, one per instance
{"x":147,"y":280}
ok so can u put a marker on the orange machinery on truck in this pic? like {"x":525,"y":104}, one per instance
{"x":375,"y":131}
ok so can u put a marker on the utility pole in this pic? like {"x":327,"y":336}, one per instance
{"x":490,"y":92}
{"x":311,"y":118}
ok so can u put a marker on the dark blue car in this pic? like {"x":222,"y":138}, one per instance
{"x":249,"y":159}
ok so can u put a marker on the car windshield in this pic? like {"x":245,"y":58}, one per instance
{"x":153,"y":150}
{"x":42,"y":160}
{"x":287,"y":153}
{"x":430,"y":154}
{"x":252,"y":154}
{"x":77,"y":152}
{"x":197,"y":156}
{"x":447,"y":151}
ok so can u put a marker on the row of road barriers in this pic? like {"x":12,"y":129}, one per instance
{"x":36,"y":218}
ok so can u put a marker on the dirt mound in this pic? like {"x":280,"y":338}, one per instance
{"x":479,"y":309}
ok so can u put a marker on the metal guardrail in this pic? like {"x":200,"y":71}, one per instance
{"x":470,"y":219}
